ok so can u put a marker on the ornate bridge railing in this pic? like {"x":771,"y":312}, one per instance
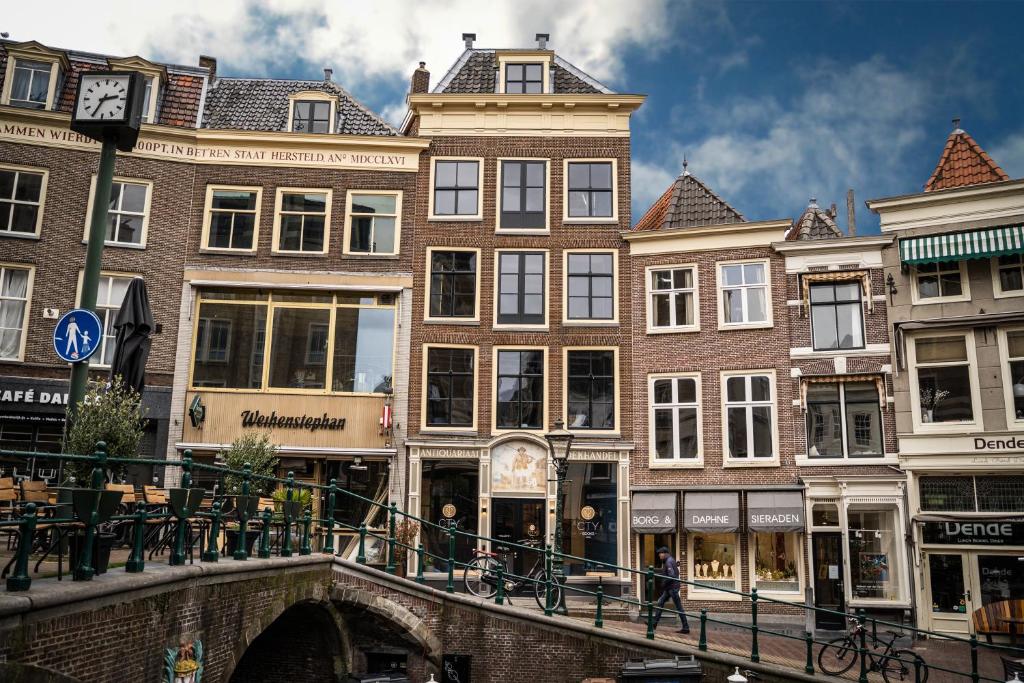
{"x":184,"y":522}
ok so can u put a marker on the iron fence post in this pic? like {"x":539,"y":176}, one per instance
{"x":212,"y":554}
{"x":975,"y":676}
{"x":863,"y":678}
{"x":809,"y":640}
{"x":20,"y":580}
{"x":599,"y":614}
{"x":499,"y":597}
{"x":917,"y":670}
{"x":242,"y":545}
{"x":307,"y":523}
{"x":702,"y":640}
{"x":361,"y":555}
{"x":755,"y":655}
{"x":331,"y":497}
{"x":392,"y":512}
{"x":84,"y":571}
{"x":547,"y":581}
{"x":178,"y":551}
{"x":450,"y":588}
{"x":137,"y":561}
{"x":286,"y":544}
{"x":419,"y":564}
{"x":264,"y":551}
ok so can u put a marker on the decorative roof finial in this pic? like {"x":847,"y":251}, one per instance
{"x":956,"y":125}
{"x":685,"y":164}
{"x":813,"y":203}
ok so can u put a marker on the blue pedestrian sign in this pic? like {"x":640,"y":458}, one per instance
{"x":77,"y":335}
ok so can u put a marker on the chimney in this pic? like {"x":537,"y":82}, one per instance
{"x":956,"y":125}
{"x":420,"y":80}
{"x":851,"y":215}
{"x":833,"y":211}
{"x":469,"y":38}
{"x":210,"y":63}
{"x":542,"y":40}
{"x":328,"y":72}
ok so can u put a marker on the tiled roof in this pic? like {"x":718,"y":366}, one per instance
{"x":814,"y":224}
{"x":963,"y":162}
{"x":476,"y":71}
{"x":262,"y":104}
{"x":688,"y":203}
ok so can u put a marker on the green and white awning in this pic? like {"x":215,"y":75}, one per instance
{"x":961,"y":246}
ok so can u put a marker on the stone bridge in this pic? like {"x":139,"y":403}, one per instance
{"x":299,"y":619}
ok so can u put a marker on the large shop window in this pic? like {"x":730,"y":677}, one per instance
{"x":450,"y":500}
{"x":14,"y":293}
{"x":521,"y":288}
{"x":837,"y":316}
{"x":972,"y":494}
{"x":591,"y":286}
{"x":591,"y":385}
{"x":373,"y":223}
{"x":450,"y":387}
{"x":943,"y":380}
{"x":21,"y":200}
{"x":590,"y":189}
{"x":456,"y":188}
{"x":520,"y":400}
{"x":749,"y":407}
{"x":367,"y":479}
{"x":341,"y":343}
{"x":713,"y":560}
{"x":233,"y":218}
{"x":523,"y":195}
{"x":874,"y":540}
{"x":590,"y":526}
{"x":776,"y":561}
{"x":744,"y":293}
{"x":672,"y":299}
{"x":109,"y":297}
{"x":675,"y":405}
{"x":38,"y":437}
{"x":453,"y":281}
{"x":1015,"y":366}
{"x":843,"y":420}
{"x":302,"y":222}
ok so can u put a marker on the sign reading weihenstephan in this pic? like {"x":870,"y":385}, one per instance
{"x":254,"y":418}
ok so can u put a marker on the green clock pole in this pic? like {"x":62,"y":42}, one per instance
{"x":93,"y":262}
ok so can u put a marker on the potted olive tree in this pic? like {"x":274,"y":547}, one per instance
{"x":260,"y":452}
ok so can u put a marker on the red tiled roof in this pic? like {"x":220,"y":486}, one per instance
{"x":963,"y":162}
{"x":688,"y":203}
{"x":655,"y":215}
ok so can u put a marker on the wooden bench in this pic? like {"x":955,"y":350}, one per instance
{"x":128,"y":496}
{"x":987,"y":619}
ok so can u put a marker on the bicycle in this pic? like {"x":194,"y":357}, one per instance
{"x":481,"y":575}
{"x":840,"y":655}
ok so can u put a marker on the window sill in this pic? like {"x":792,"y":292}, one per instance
{"x":947,"y":427}
{"x":511,"y":327}
{"x":765,"y":462}
{"x":673,"y":330}
{"x":228,"y":252}
{"x":1008,"y":295}
{"x":455,"y":219}
{"x":941,"y":300}
{"x":604,"y":434}
{"x":596,"y":220}
{"x":676,"y":464}
{"x":301,"y":254}
{"x":590,"y":323}
{"x":889,"y":459}
{"x":12,"y":360}
{"x":364,"y":256}
{"x":462,"y":431}
{"x":725,"y":327}
{"x":522,"y":231}
{"x":20,"y":235}
{"x":120,"y":245}
{"x":452,"y":321}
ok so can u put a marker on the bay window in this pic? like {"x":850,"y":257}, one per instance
{"x":843,"y":420}
{"x":675,"y":419}
{"x":749,"y":412}
{"x":672,"y":303}
{"x":944,"y":392}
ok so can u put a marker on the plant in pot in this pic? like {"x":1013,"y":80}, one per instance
{"x":930,"y":400}
{"x":112,"y":414}
{"x":302,"y":500}
{"x":405,"y":533}
{"x":260,"y":452}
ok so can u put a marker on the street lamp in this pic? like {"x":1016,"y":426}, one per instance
{"x":559,"y":444}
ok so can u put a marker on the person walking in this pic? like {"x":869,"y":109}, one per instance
{"x":670,"y":589}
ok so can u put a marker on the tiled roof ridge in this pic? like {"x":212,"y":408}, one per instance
{"x":668,"y":211}
{"x":950,"y":172}
{"x":653,"y":217}
{"x":472,"y":72}
{"x":729,"y":208}
{"x":814,"y":223}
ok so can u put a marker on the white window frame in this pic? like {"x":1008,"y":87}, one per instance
{"x":475,"y":320}
{"x":676,"y":462}
{"x":650,"y":293}
{"x":798,"y":562}
{"x":497,"y":286}
{"x":478,"y":215}
{"x":804,"y":458}
{"x":590,"y":220}
{"x":31,"y":270}
{"x":148,"y":184}
{"x":590,"y":322}
{"x":720,"y":295}
{"x":1012,"y":421}
{"x":498,"y":230}
{"x":424,"y":425}
{"x":278,"y":203}
{"x":495,"y":429}
{"x":965,"y":285}
{"x":102,"y":308}
{"x":977,"y":424}
{"x":696,"y":592}
{"x":42,"y":201}
{"x":13,"y":56}
{"x":312,"y":96}
{"x":997,"y":287}
{"x":346,"y":247}
{"x":727,"y":459}
{"x":208,"y":218}
{"x":617,"y":379}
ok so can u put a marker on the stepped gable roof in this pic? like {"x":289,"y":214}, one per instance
{"x":963,"y":162}
{"x":476,"y":72}
{"x":814,"y":224}
{"x":262,"y":104}
{"x":688,"y":203}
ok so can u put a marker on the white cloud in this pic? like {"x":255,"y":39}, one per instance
{"x":649,"y":181}
{"x":1009,"y":154}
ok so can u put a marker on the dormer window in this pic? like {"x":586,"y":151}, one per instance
{"x":33,"y":76}
{"x":155,"y":76}
{"x":311,"y":116}
{"x":148,"y":105}
{"x":524,"y":79}
{"x":31,"y":84}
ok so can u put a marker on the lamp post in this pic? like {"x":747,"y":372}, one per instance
{"x":559,"y":444}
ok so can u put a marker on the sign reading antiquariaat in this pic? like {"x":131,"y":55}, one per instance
{"x":254,"y":418}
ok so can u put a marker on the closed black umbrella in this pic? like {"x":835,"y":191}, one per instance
{"x":134,"y":324}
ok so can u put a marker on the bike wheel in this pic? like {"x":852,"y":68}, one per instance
{"x":481,"y":576}
{"x":838,"y":656}
{"x":899,"y":666}
{"x":540,"y":590}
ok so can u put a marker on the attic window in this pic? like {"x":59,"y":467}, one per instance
{"x":524,"y":78}
{"x":311,"y":117}
{"x":31,"y":84}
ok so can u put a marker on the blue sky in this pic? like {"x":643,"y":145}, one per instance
{"x":772,"y":102}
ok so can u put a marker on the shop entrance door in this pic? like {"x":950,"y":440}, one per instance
{"x":517,"y":519}
{"x":828,"y":581}
{"x":649,"y":544}
{"x":948,"y":587}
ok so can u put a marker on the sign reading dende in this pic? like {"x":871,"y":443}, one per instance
{"x":974,"y":532}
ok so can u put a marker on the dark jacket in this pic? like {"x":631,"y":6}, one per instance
{"x":670,"y":574}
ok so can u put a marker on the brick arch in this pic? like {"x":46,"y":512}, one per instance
{"x":404,"y":620}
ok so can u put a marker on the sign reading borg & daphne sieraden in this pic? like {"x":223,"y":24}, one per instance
{"x":254,"y":418}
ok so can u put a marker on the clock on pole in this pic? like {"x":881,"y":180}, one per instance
{"x":108,"y":108}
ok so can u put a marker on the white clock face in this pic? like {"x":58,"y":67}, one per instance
{"x":103,"y":98}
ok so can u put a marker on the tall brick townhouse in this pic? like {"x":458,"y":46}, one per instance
{"x":760,"y":407}
{"x":956,"y":303}
{"x":273,"y":223}
{"x":520,"y":312}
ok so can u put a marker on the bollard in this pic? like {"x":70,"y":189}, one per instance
{"x":975,"y":677}
{"x":755,"y":655}
{"x":286,"y":544}
{"x":242,"y":546}
{"x":331,"y":498}
{"x":307,"y":523}
{"x":809,"y":640}
{"x":137,"y":561}
{"x":499,"y":597}
{"x":599,"y":615}
{"x":392,"y":512}
{"x":863,"y":678}
{"x":361,"y":555}
{"x":702,"y":641}
{"x":264,"y":551}
{"x":211,"y":554}
{"x":450,"y":588}
{"x":20,"y":580}
{"x":419,"y":564}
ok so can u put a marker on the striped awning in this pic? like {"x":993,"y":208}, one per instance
{"x":961,"y":246}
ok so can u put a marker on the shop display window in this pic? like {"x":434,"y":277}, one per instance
{"x":449,"y":499}
{"x":776,"y":562}
{"x":714,"y":560}
{"x":1001,"y":577}
{"x":874,"y":539}
{"x":590,"y":522}
{"x":825,"y":515}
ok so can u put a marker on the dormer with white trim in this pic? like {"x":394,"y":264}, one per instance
{"x":156,"y":81}
{"x":34,"y":76}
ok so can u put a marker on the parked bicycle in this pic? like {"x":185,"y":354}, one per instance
{"x":841,"y":654}
{"x":481,"y":574}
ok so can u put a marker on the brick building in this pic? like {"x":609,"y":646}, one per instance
{"x":520,"y":310}
{"x":955,"y":282}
